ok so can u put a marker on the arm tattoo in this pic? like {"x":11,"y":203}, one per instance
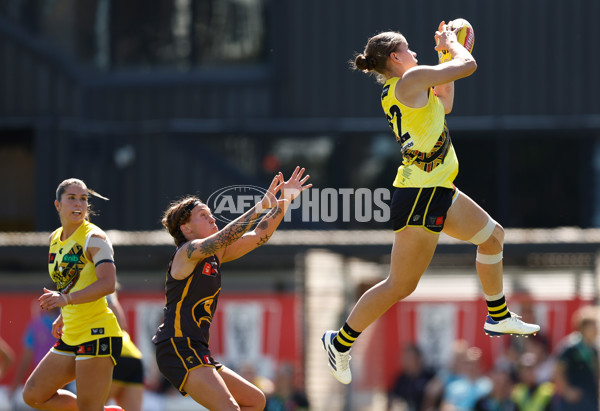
{"x":190,"y":249}
{"x":230,"y":233}
{"x":263,"y":240}
{"x":274,"y":212}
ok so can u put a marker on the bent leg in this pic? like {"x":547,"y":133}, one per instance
{"x":94,"y":377}
{"x":43,"y":389}
{"x":411,"y":254}
{"x":208,"y":388}
{"x":467,"y":221}
{"x":247,"y":395}
{"x":464,"y":221}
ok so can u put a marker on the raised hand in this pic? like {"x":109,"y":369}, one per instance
{"x":270,"y":198}
{"x":296,"y":184}
{"x":444,"y":35}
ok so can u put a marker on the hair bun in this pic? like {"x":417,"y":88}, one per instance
{"x":364,"y":63}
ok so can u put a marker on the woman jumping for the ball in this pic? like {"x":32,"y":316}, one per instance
{"x":415,"y":100}
{"x":193,"y":285}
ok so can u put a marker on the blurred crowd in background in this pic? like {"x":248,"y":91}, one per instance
{"x":530,"y":375}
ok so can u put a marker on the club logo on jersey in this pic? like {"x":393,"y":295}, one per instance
{"x":203,"y":310}
{"x":66,"y":270}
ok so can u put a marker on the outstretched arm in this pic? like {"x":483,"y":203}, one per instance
{"x":196,"y":250}
{"x":269,"y":223}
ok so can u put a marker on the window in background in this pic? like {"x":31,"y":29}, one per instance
{"x":147,"y":34}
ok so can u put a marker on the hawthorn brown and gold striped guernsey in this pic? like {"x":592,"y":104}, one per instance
{"x":191,"y":303}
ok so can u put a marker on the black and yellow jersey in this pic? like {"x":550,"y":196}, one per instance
{"x":191,"y":303}
{"x":428,"y":157}
{"x":71,"y":271}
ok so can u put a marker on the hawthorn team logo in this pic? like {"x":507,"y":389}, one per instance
{"x":203,"y":310}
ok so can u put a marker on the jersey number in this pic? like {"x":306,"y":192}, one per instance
{"x":396,"y":115}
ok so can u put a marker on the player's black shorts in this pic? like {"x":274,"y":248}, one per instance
{"x":421,"y":207}
{"x":129,"y":370}
{"x":102,"y":347}
{"x":176,"y":357}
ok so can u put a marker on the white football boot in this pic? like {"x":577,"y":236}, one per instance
{"x":509,"y":326}
{"x":339,"y":362}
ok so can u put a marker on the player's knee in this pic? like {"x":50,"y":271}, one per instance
{"x":32,"y":398}
{"x":495,"y":243}
{"x":490,"y":238}
{"x":399,"y":290}
{"x":260,"y":401}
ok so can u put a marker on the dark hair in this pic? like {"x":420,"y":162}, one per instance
{"x":375,"y":57}
{"x":60,"y":190}
{"x":179,"y":213}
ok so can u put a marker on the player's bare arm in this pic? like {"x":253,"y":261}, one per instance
{"x":412,"y":89}
{"x":290,"y":189}
{"x":198,"y":249}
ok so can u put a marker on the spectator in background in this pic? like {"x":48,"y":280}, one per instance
{"x":127,"y":387}
{"x":529,"y":394}
{"x":286,"y":396}
{"x":463,"y":393}
{"x":37,"y":340}
{"x":576,"y":372}
{"x":499,"y":399}
{"x":7,"y":356}
{"x":437,"y":385}
{"x":545,"y":363}
{"x":409,"y":387}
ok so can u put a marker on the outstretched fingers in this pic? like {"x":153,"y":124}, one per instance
{"x":297,"y":171}
{"x":304,"y":181}
{"x":295,"y":184}
{"x":441,"y":26}
{"x":276,"y":183}
{"x":271,"y":193}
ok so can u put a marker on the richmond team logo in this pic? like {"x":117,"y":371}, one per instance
{"x":67,"y":267}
